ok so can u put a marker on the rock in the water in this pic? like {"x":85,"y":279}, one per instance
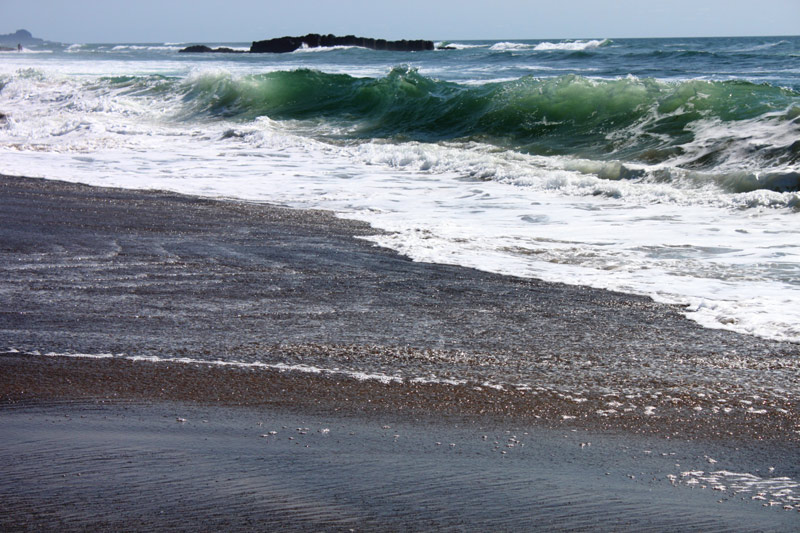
{"x":197,"y":48}
{"x":201,"y":48}
{"x":315,"y":40}
{"x":282,"y":45}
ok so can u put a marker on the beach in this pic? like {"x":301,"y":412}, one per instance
{"x":153,"y":342}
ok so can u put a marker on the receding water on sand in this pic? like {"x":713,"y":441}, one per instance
{"x":134,"y":466}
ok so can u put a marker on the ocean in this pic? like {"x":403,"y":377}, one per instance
{"x":668,"y":168}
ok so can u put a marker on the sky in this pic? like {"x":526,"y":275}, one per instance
{"x":95,"y":21}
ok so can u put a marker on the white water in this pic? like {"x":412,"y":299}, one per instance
{"x":733,"y":260}
{"x":562,"y":45}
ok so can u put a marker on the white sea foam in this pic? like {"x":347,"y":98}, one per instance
{"x":282,"y":367}
{"x":509,"y":46}
{"x":782,"y":491}
{"x":459,"y":46}
{"x":139,"y":47}
{"x":735,"y":143}
{"x":572,"y":45}
{"x":548,"y":46}
{"x":304,"y":49}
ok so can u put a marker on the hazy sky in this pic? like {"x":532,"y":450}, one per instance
{"x":82,"y":21}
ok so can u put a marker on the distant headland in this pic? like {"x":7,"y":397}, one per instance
{"x":18,"y":38}
{"x":281,"y":45}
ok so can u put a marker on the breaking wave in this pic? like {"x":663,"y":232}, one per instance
{"x":735,"y":136}
{"x":743,"y":136}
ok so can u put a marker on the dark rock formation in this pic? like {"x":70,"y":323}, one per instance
{"x":196,"y":48}
{"x":282,"y":45}
{"x":20,"y":37}
{"x":201,"y":48}
{"x":315,"y":40}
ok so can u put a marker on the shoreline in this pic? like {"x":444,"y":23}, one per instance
{"x":188,"y":283}
{"x":33,"y":378}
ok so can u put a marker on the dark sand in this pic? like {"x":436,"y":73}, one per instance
{"x":94,"y":271}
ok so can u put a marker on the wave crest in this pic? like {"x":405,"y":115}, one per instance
{"x":747,"y":132}
{"x":569,"y":45}
{"x":573,"y":45}
{"x":700,"y":126}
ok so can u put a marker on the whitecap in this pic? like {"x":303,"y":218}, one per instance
{"x":571,"y":45}
{"x":509,"y":46}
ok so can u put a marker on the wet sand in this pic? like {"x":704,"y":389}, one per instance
{"x":189,"y":467}
{"x":455,"y":355}
{"x":25,"y":377}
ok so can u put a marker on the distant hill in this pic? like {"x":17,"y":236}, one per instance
{"x":22,"y":37}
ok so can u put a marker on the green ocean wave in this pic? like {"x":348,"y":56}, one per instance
{"x":629,"y":119}
{"x":524,"y":111}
